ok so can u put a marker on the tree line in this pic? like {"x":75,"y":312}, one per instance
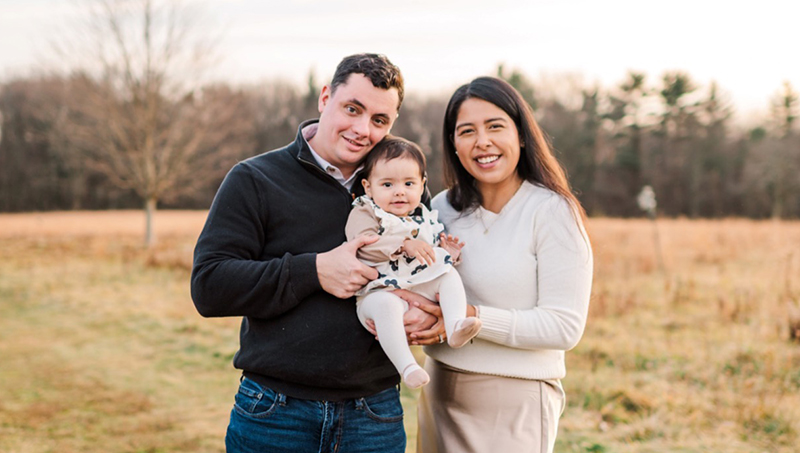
{"x":66,"y":143}
{"x":132,"y":125}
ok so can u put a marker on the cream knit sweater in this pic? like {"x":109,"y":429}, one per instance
{"x":530,"y":275}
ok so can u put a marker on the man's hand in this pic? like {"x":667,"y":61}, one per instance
{"x":341,"y":273}
{"x":420,"y":250}
{"x":452,"y":244}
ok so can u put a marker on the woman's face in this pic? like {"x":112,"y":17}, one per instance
{"x":487,"y":143}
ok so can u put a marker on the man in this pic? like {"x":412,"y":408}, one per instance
{"x":273,"y":252}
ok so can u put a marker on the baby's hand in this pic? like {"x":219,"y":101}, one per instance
{"x":452,"y":244}
{"x":420,"y":250}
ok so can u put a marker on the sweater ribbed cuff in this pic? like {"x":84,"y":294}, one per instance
{"x":496,"y":324}
{"x":303,"y":274}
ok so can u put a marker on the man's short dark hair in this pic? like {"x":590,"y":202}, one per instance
{"x":377,"y":68}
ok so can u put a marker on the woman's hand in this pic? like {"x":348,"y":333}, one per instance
{"x":436,"y":334}
{"x":431,"y":323}
{"x":429,"y":332}
{"x":420,"y":250}
{"x":415,"y":319}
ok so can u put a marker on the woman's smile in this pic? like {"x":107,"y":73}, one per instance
{"x":484,"y":160}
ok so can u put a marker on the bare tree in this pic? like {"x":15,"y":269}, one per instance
{"x":139,"y":116}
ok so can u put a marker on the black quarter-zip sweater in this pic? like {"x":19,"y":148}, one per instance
{"x":256,"y":258}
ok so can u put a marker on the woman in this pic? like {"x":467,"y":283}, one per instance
{"x":527,"y":271}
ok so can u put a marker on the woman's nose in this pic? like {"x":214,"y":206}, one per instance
{"x":483,"y":140}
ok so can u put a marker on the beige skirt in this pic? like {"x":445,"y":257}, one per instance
{"x":467,"y":412}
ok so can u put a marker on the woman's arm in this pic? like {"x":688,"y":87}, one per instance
{"x":564,"y":275}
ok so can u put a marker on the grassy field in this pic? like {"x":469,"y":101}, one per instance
{"x":101,"y":349}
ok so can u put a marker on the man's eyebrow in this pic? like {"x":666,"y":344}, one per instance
{"x":357,"y":102}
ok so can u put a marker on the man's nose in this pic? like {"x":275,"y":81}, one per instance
{"x":361,"y":126}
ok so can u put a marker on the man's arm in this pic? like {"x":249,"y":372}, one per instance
{"x":229,"y":276}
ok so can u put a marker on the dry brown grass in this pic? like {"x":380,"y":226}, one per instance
{"x":96,"y":224}
{"x":698,"y":357}
{"x":101,"y":348}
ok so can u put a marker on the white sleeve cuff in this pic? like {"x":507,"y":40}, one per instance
{"x":496,"y":323}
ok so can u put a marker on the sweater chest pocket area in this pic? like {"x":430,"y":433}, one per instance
{"x":309,"y":225}
{"x":508,"y":280}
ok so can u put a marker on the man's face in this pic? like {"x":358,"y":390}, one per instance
{"x":352,"y":120}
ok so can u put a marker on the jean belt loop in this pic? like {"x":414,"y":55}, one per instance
{"x":281,"y":399}
{"x":359,"y":403}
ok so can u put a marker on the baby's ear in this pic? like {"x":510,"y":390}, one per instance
{"x":365,"y":183}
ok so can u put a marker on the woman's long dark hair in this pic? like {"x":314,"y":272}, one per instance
{"x":537,"y":164}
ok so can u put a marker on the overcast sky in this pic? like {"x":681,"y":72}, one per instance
{"x":749,"y":48}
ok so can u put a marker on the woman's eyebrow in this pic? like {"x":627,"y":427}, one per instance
{"x":499,"y":118}
{"x":489,"y":120}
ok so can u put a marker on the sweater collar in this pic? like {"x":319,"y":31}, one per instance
{"x":301,"y":149}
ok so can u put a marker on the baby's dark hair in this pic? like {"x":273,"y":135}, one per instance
{"x":392,"y":147}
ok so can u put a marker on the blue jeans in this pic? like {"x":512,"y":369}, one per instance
{"x":263,"y":420}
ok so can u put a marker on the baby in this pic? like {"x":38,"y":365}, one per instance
{"x":412,"y":253}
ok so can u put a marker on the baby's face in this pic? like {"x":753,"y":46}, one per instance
{"x":396,"y":185}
